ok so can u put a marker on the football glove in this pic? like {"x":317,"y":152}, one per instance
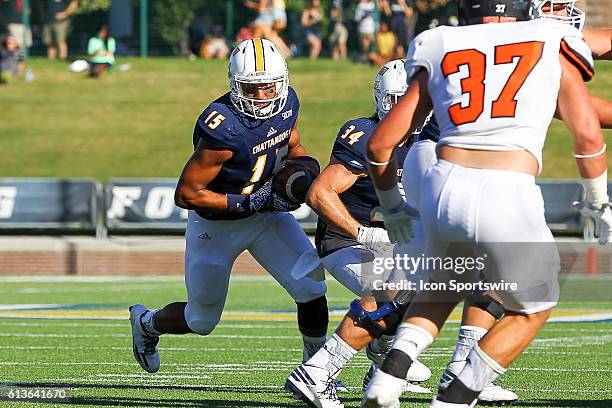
{"x":375,"y":239}
{"x":258,"y":199}
{"x":398,"y":223}
{"x":276,"y":203}
{"x":602,"y":217}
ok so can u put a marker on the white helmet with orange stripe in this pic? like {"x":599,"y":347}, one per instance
{"x":258,"y":78}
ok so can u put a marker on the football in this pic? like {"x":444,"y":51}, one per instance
{"x":293,"y":181}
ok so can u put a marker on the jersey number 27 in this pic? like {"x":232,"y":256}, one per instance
{"x":528,"y":54}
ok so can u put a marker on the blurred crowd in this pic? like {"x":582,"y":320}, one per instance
{"x":369,"y":31}
{"x":16,"y":38}
{"x":380,"y":30}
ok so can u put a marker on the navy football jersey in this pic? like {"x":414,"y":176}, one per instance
{"x":260,"y":146}
{"x":430,"y":130}
{"x":360,"y":199}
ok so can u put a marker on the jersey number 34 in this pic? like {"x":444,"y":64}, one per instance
{"x":528,"y":54}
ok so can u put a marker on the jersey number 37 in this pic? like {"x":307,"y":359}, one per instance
{"x":528,"y":54}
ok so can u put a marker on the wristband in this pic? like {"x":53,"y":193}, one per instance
{"x":238,"y":203}
{"x":596,"y":190}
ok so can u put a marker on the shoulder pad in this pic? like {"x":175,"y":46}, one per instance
{"x":578,"y":53}
{"x":422,"y":50}
{"x":215,"y":126}
{"x":350,"y":144}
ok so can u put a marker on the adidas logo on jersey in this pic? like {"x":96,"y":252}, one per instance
{"x":271,"y":132}
{"x":204,"y":236}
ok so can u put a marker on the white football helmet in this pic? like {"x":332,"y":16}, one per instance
{"x":390,"y":84}
{"x":253,"y":62}
{"x":571,"y":15}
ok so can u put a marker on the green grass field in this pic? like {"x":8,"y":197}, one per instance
{"x":79,"y":337}
{"x":139,"y":123}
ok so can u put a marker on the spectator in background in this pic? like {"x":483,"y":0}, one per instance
{"x":339,"y":33}
{"x":386,"y":45}
{"x":55,"y":29}
{"x":13,"y":15}
{"x":434,"y":13}
{"x":12,"y":64}
{"x":215,"y":46}
{"x":398,"y":11}
{"x":262,"y":25}
{"x":365,"y":14}
{"x":280,"y":15}
{"x":312,"y":22}
{"x":101,"y":50}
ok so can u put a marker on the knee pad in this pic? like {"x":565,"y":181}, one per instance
{"x":202,"y":319}
{"x":487,"y":303}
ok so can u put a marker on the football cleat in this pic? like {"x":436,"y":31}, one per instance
{"x":383,"y":391}
{"x":314,"y":386}
{"x":495,"y":394}
{"x":410,"y":387}
{"x":341,"y":387}
{"x":441,"y":404}
{"x":143,"y":344}
{"x":491,"y":393}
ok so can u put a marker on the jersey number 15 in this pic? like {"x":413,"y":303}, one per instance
{"x":528,"y":54}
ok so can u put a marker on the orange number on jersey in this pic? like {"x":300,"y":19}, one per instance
{"x":473,"y":85}
{"x":529,"y":54}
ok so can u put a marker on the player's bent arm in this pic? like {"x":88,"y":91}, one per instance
{"x":296,"y":149}
{"x":409,"y":113}
{"x":599,"y":41}
{"x":324,"y":196}
{"x":201,"y":169}
{"x":577,"y":112}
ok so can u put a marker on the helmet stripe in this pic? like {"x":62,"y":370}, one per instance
{"x":259,"y":54}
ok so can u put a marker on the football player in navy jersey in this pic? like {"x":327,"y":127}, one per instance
{"x":349,"y":237}
{"x":241,"y":140}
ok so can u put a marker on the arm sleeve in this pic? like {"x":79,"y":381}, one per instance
{"x":578,"y":53}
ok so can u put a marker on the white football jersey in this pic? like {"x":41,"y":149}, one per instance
{"x":495,"y":86}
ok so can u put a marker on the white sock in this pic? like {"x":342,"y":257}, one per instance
{"x":412,"y":340}
{"x":479,"y":370}
{"x":149,"y":325}
{"x":333,"y":356}
{"x":468,"y":337}
{"x":311,"y":346}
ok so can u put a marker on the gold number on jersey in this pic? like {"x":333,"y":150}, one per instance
{"x":258,"y":170}
{"x":215,"y":121}
{"x":528,"y":53}
{"x":353,"y":137}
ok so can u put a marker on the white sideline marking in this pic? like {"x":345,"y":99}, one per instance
{"x":118,"y":278}
{"x":80,"y":336}
{"x":153,"y":376}
{"x":32,"y":306}
{"x":127,"y":324}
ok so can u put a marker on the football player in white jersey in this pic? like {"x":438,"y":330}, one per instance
{"x":477,"y":320}
{"x":493,"y":122}
{"x":241,"y":141}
